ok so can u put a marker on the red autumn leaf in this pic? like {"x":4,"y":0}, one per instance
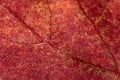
{"x":59,"y":40}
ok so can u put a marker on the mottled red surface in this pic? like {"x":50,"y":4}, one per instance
{"x":59,"y":40}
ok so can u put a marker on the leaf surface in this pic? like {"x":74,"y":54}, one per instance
{"x":59,"y":40}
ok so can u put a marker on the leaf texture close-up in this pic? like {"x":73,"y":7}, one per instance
{"x":59,"y":39}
